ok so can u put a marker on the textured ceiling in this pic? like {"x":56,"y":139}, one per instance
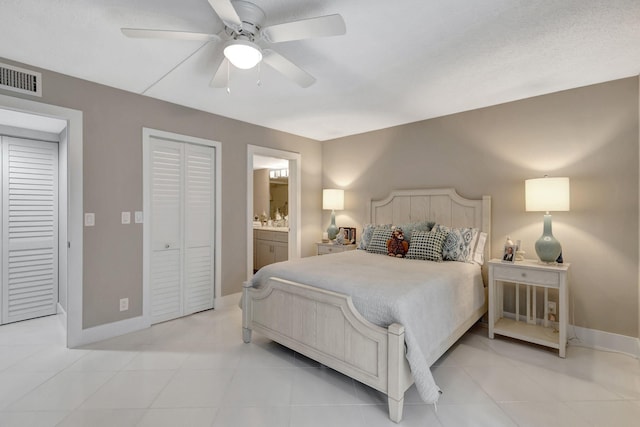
{"x":400,"y":61}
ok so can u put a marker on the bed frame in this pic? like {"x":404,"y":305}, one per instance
{"x":326,"y":327}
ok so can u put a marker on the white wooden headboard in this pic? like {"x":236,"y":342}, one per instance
{"x":442,"y":205}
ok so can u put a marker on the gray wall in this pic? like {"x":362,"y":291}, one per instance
{"x":113,"y":122}
{"x":589,"y":134}
{"x":261,"y":192}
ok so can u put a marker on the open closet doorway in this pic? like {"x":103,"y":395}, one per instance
{"x":34,"y":213}
{"x":273,"y":206}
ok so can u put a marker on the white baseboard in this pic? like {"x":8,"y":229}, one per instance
{"x":62,"y":317}
{"x":228,"y":301}
{"x":601,"y":340}
{"x":110,"y":330}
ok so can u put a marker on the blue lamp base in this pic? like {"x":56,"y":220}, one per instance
{"x":548,"y":248}
{"x":332,"y":231}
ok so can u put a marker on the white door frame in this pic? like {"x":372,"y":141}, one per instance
{"x":148,"y":133}
{"x":295,"y":198}
{"x":72,"y":220}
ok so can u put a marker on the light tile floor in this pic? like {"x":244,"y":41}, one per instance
{"x":196,"y":371}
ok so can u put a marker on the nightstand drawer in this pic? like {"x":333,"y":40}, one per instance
{"x":330,"y":248}
{"x":526,"y":275}
{"x":324,"y":249}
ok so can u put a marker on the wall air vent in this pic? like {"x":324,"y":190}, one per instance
{"x":20,"y":80}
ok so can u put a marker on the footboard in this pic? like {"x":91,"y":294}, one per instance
{"x":326,"y":327}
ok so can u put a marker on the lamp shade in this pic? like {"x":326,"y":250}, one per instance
{"x":243,"y":54}
{"x":547,"y":194}
{"x":333,"y":199}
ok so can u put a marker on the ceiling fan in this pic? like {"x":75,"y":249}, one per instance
{"x":246,"y":42}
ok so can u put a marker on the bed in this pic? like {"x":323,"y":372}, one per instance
{"x":336,"y":326}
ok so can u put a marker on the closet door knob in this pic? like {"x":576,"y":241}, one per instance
{"x":166,"y":246}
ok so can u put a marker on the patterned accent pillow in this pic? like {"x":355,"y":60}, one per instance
{"x":378,"y":243}
{"x":410,"y":227}
{"x":460,"y":243}
{"x":367,"y":233}
{"x":427,"y":245}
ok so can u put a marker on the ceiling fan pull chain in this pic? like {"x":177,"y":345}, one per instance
{"x":228,"y":77}
{"x":259,"y":82}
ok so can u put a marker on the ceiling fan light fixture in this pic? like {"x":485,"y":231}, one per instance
{"x":243,"y":54}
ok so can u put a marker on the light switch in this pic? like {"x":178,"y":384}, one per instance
{"x":89,"y":219}
{"x":126,"y":217}
{"x":138,"y":217}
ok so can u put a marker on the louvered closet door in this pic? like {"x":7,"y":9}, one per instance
{"x":199,"y":214}
{"x":30,"y":229}
{"x":182,"y":240}
{"x":165,"y":280}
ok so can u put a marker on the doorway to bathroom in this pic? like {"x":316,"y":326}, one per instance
{"x":273,"y":206}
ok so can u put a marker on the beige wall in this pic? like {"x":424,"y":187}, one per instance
{"x":113,"y":122}
{"x":261,"y":192}
{"x":589,"y":134}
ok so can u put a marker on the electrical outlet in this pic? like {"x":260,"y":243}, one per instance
{"x":124,"y":304}
{"x":551,"y":307}
{"x":125,"y":217}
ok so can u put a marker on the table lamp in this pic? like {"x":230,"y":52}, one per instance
{"x":547,"y":194}
{"x":332,"y":199}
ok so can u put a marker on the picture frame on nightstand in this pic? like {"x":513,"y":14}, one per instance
{"x":349,"y":235}
{"x":509,"y":254}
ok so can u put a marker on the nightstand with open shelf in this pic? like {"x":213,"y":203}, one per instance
{"x":531,"y":274}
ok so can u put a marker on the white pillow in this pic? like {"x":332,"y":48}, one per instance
{"x":478,"y":252}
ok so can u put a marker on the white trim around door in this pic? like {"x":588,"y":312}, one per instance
{"x":147,"y":135}
{"x":295,"y":197}
{"x":71,"y":183}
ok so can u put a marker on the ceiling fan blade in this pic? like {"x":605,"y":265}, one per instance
{"x":322,"y":26}
{"x":226,"y":12}
{"x":287,"y":68}
{"x":167,"y":34}
{"x":220,"y":78}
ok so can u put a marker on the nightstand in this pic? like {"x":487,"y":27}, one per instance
{"x":527,"y":276}
{"x":329,"y":248}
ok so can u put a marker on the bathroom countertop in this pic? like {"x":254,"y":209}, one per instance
{"x":267,"y":228}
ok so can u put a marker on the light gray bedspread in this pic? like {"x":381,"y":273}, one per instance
{"x":429,"y":299}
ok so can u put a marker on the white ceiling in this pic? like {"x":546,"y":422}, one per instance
{"x":400,"y":61}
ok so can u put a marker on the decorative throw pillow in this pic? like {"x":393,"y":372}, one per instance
{"x":367,"y":233}
{"x":427,"y":245}
{"x":378,"y":243}
{"x":459,"y":244}
{"x":410,"y":227}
